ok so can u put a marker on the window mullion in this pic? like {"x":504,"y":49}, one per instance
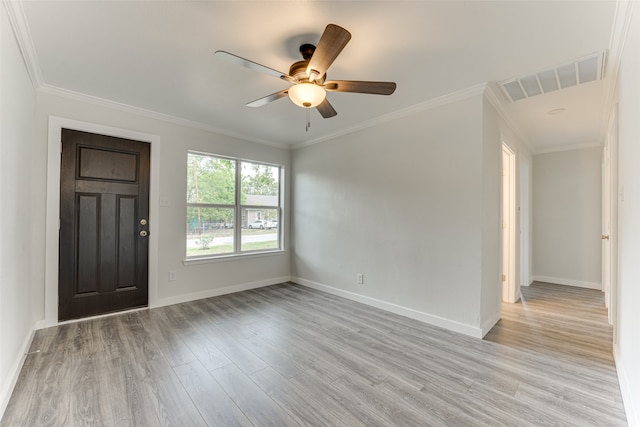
{"x":208,"y":205}
{"x":259,"y":206}
{"x":280,"y":205}
{"x":238,"y":225}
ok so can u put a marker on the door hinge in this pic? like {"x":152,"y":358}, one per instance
{"x":504,"y":278}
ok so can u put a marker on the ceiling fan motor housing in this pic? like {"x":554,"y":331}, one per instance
{"x":298,"y":71}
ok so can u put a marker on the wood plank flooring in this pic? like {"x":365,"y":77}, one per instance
{"x":287,"y":355}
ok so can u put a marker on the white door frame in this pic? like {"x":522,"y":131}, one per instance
{"x":524,"y":209}
{"x":53,"y":208}
{"x":510,"y":279}
{"x":610,"y":218}
{"x":606,"y":221}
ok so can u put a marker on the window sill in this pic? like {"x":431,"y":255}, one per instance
{"x":233,"y":257}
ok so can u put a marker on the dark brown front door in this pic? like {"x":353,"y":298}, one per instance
{"x":104,"y":214}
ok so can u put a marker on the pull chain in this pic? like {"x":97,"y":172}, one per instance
{"x":308,"y":119}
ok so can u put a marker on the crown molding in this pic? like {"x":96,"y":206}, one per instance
{"x":619,"y":34}
{"x":408,"y":111}
{"x":102,"y":102}
{"x":569,"y":147}
{"x":18,"y":20}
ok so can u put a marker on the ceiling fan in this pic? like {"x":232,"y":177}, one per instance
{"x":309,"y":75}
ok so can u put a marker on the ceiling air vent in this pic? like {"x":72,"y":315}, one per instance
{"x":583,"y":70}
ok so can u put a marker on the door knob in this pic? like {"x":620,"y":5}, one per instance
{"x":144,"y":233}
{"x":605,"y":237}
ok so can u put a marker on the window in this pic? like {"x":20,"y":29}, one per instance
{"x":233,"y":206}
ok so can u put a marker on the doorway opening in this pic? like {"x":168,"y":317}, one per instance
{"x":510,"y":279}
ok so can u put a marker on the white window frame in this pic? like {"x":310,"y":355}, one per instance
{"x":238,"y":208}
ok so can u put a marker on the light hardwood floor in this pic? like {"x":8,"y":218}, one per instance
{"x":287,"y":355}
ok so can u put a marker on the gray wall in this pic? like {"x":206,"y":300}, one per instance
{"x":413,"y":205}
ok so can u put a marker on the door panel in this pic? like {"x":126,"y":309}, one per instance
{"x":107,"y":165}
{"x":104,"y":195}
{"x":126,"y":243}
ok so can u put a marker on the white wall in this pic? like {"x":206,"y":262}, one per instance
{"x":567,"y":201}
{"x":627,"y":349}
{"x":21,"y":248}
{"x":402,"y":203}
{"x":170,"y":154}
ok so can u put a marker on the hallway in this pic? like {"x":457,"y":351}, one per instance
{"x":564,"y":329}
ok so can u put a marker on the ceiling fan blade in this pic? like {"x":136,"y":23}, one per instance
{"x":333,"y":40}
{"x":269,"y":98}
{"x":326,"y":109}
{"x":252,"y":65}
{"x":374,"y":88}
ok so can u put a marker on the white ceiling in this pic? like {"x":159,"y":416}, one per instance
{"x":158,"y":56}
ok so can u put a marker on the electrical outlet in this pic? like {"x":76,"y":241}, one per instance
{"x":360,"y":279}
{"x":172,"y":276}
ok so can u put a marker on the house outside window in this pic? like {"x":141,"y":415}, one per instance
{"x":233,"y":206}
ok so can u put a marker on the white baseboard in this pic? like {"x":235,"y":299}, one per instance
{"x":567,"y":282}
{"x":161,"y":302}
{"x":14,"y":372}
{"x":633,"y":418}
{"x":430,"y":319}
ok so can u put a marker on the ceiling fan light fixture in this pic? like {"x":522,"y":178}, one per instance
{"x":307,"y":95}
